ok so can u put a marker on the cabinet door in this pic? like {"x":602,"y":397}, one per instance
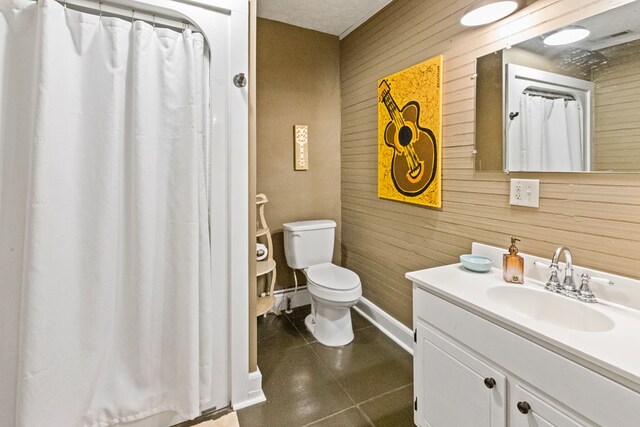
{"x":453,"y":387}
{"x":529,"y":410}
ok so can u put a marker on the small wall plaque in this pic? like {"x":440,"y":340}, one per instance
{"x":301,"y":147}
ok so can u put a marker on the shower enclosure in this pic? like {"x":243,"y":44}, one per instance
{"x":116,"y":210}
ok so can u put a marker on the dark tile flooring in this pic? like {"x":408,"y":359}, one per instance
{"x":366,"y":383}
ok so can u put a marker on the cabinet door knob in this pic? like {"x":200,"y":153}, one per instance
{"x":523,"y":407}
{"x":490,"y":382}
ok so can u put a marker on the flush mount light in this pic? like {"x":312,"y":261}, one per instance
{"x":485,"y":12}
{"x":566,"y":35}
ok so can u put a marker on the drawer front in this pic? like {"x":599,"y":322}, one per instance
{"x":530,"y":410}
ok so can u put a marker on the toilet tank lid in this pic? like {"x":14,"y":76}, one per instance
{"x":317,"y":224}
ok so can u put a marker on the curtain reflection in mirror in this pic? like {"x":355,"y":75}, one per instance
{"x":550,"y":136}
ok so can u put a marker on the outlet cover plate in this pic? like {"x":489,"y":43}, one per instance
{"x":525,"y":192}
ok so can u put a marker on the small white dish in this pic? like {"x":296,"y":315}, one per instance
{"x":476,"y":263}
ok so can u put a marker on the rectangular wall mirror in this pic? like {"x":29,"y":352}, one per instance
{"x":572,"y":107}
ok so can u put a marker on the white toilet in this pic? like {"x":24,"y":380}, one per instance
{"x":308,"y":246}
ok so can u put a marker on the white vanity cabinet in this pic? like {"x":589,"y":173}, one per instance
{"x":470,"y":370}
{"x":453,"y":387}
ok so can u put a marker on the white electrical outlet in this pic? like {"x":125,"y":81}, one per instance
{"x":525,"y":192}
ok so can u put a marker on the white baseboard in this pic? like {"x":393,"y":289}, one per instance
{"x":391,"y":327}
{"x":299,"y":298}
{"x":255,"y":393}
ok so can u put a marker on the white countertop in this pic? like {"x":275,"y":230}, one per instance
{"x":614,"y":353}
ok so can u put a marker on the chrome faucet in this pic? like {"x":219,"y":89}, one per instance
{"x":568,"y":287}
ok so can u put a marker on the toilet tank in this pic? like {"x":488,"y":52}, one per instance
{"x":308,"y":243}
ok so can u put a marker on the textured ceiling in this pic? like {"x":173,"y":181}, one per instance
{"x":337,"y":17}
{"x":610,"y":28}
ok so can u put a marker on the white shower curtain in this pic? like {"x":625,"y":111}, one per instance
{"x":104,"y":251}
{"x":550,"y":135}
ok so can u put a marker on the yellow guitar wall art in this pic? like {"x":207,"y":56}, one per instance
{"x":409,"y":141}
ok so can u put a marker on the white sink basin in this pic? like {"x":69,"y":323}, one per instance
{"x":550,"y":308}
{"x":603,"y":336}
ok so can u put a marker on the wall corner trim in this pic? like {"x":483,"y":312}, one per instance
{"x":255,"y":394}
{"x":389,"y":325}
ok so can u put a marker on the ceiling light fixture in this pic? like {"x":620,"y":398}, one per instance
{"x":486,"y":12}
{"x":566,"y":35}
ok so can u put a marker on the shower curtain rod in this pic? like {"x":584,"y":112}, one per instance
{"x":549,"y":94}
{"x":125,"y":13}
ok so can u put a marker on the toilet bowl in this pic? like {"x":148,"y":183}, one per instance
{"x":333,"y":289}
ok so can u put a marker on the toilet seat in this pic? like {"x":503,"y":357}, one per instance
{"x":333,"y":277}
{"x":333,"y":283}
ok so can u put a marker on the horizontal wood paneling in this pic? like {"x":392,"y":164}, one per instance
{"x":596,"y":215}
{"x":617,"y":109}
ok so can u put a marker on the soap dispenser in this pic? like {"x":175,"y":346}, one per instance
{"x":513,"y":264}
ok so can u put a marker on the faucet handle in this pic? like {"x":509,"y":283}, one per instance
{"x":553,"y":284}
{"x":585,"y":293}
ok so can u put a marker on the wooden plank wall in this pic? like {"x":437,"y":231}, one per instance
{"x":596,"y":215}
{"x":617,"y":109}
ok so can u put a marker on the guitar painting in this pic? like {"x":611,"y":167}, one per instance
{"x":409,"y":129}
{"x":414,"y":161}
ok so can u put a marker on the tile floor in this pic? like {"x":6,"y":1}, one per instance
{"x":366,"y":383}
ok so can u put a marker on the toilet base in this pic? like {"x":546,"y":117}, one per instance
{"x":331,"y":326}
